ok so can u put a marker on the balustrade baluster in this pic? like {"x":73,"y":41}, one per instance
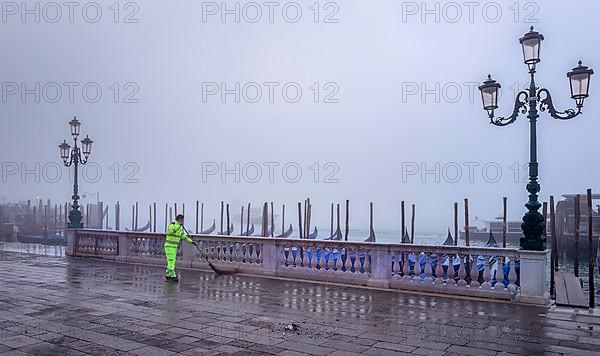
{"x":367,"y":264}
{"x":474,"y":272}
{"x":486,"y":274}
{"x":337,"y":262}
{"x":512,"y":275}
{"x":417,"y":268}
{"x":462,"y":273}
{"x":439,"y":270}
{"x":499,"y":275}
{"x":450,"y":271}
{"x":406,"y":266}
{"x":428,"y":270}
{"x":320,"y":256}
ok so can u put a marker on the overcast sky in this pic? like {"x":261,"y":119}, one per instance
{"x":395,"y":94}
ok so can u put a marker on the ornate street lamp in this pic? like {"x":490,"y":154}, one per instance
{"x":528,"y":102}
{"x":74,"y":156}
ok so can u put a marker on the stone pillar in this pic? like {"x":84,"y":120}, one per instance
{"x":71,"y":235}
{"x":122,"y":247}
{"x":270,"y":257}
{"x":381,"y":268}
{"x":534,"y":271}
{"x":188,"y":254}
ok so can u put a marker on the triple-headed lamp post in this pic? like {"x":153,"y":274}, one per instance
{"x":528,"y":102}
{"x":74,"y":157}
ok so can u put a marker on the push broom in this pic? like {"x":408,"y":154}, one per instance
{"x":213,"y":267}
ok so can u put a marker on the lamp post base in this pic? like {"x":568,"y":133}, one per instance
{"x":533,"y":230}
{"x":75,"y":219}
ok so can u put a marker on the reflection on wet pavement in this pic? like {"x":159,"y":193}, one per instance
{"x":51,"y":304}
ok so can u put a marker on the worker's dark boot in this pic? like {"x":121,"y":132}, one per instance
{"x":174,"y":279}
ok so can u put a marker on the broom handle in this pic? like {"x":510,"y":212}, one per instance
{"x":197,"y":247}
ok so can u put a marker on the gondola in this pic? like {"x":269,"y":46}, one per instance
{"x":287,"y":233}
{"x":210,"y":230}
{"x":250,"y":231}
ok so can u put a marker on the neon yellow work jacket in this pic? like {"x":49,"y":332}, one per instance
{"x":175,"y":233}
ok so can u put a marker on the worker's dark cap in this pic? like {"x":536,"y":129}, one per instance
{"x":179,"y":217}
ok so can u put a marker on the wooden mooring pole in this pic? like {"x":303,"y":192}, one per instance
{"x":576,"y":226}
{"x":242,"y":233}
{"x":228,"y":223}
{"x":412,"y":225}
{"x":504,"y":222}
{"x":221,"y":222}
{"x":197,"y":215}
{"x":455,"y":223}
{"x":300,"y":219}
{"x":553,"y":254}
{"x":283,"y":219}
{"x":331,"y":234}
{"x":248,"y":219}
{"x":347,"y":229}
{"x":403,"y":223}
{"x":467,"y":222}
{"x":272,"y":221}
{"x":591,"y":269}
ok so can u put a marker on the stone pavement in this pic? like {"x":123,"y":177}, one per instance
{"x":71,"y":306}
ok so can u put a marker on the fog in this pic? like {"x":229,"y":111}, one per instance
{"x":395,"y":113}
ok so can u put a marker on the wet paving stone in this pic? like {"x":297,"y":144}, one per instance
{"x":69,"y":306}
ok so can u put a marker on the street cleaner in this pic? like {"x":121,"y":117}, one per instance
{"x":175,"y":232}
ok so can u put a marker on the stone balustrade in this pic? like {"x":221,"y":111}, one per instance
{"x":498,"y":273}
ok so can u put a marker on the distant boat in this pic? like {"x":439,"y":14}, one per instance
{"x":337,"y":236}
{"x":225,"y":232}
{"x":210,"y":230}
{"x":250,"y":231}
{"x":286,"y":233}
{"x":371,"y":237}
{"x":449,"y":240}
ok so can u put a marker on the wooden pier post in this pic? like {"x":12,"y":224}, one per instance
{"x":221,"y":222}
{"x":403,"y":222}
{"x":197,"y":215}
{"x":331,"y":220}
{"x":553,"y":255}
{"x":242,"y":223}
{"x":133,"y":217}
{"x":467,"y":222}
{"x":347,"y":229}
{"x":201,"y":217}
{"x":283,"y":219}
{"x":455,"y":223}
{"x":166,"y":215}
{"x":265,"y":223}
{"x":309,"y":218}
{"x":136,"y":215}
{"x":545,"y":215}
{"x":154,"y":216}
{"x":183,"y":209}
{"x":412,"y":225}
{"x":248,"y":220}
{"x":150,"y":216}
{"x":170,"y":214}
{"x":591,"y":256}
{"x":306,"y":232}
{"x":118,"y":216}
{"x":577,"y":221}
{"x":300,"y":219}
{"x":272,"y":221}
{"x":504,"y":222}
{"x":228,"y":224}
{"x":338,"y":217}
{"x":370,"y":218}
